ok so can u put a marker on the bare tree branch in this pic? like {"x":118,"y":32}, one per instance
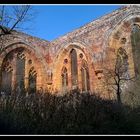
{"x":13,"y":17}
{"x":117,"y":75}
{"x":20,"y":15}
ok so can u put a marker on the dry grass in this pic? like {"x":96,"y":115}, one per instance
{"x":73,"y":113}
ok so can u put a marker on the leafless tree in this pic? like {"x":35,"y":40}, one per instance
{"x":117,"y":76}
{"x":13,"y":17}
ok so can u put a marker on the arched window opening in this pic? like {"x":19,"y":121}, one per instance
{"x":12,"y":74}
{"x":32,"y":81}
{"x":49,"y":76}
{"x":64,"y":78}
{"x":85,"y":76}
{"x":74,"y":69}
{"x":6,"y":78}
{"x":20,"y":71}
{"x":121,"y":66}
{"x":135,"y":41}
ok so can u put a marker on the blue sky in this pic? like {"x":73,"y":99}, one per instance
{"x":56,"y":20}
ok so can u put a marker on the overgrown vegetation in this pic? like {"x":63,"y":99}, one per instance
{"x":72,"y":113}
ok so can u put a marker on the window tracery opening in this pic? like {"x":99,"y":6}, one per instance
{"x":135,"y":41}
{"x":20,"y":71}
{"x":65,"y":61}
{"x":122,"y":63}
{"x":123,"y":40}
{"x":85,"y":76}
{"x":74,"y":68}
{"x":49,"y":76}
{"x":64,"y":75}
{"x":6,"y":78}
{"x":32,"y":81}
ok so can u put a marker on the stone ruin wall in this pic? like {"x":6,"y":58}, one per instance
{"x":98,"y":41}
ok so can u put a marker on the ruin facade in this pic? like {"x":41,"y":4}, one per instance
{"x":76,"y":60}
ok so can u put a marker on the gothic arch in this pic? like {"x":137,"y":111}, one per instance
{"x":135,"y":42}
{"x":129,"y":18}
{"x":31,"y":49}
{"x":121,"y":37}
{"x":35,"y":58}
{"x":64,"y":54}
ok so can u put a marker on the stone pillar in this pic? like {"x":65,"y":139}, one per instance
{"x":79,"y":63}
{"x":26,"y":79}
{"x":69,"y":74}
{"x":40,"y":82}
{"x":91,"y":76}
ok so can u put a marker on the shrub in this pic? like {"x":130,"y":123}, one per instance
{"x":72,"y":113}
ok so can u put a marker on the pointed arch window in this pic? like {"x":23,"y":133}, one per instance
{"x":135,"y":41}
{"x":49,"y":76}
{"x":32,"y":81}
{"x":85,"y":76}
{"x":20,"y":70}
{"x":64,"y":78}
{"x":122,"y":63}
{"x":74,"y":68}
{"x":6,"y":78}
